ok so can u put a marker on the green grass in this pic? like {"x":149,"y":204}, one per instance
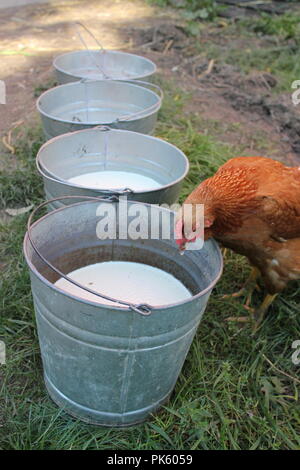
{"x":193,"y":11}
{"x":282,"y":62}
{"x":281,"y":55}
{"x":250,"y":52}
{"x":264,"y":43}
{"x":285,"y":26}
{"x":227,"y":396}
{"x":192,"y":6}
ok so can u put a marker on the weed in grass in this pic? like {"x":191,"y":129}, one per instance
{"x":285,"y":26}
{"x":227,"y":396}
{"x":273,"y":41}
{"x":193,"y":9}
{"x":284,"y":63}
{"x":44,"y":87}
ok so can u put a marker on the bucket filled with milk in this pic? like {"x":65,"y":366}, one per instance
{"x":103,"y":161}
{"x":115,"y":314}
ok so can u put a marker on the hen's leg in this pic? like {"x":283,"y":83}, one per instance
{"x":248,"y":288}
{"x":259,"y":313}
{"x":256,"y":316}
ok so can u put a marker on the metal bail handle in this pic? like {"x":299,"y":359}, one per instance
{"x":140,"y":83}
{"x":111,"y":195}
{"x":88,"y":50}
{"x":117,"y":192}
{"x":90,"y":33}
{"x":146,"y":110}
{"x":103,"y":128}
{"x":142,"y":309}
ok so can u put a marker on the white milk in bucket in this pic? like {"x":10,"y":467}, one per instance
{"x":132,"y":282}
{"x":115,"y":180}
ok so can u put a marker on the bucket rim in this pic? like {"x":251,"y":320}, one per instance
{"x":99,"y":82}
{"x":154,"y":308}
{"x":55,"y":178}
{"x":109,"y":51}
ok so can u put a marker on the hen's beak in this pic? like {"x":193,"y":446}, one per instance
{"x":180,"y":238}
{"x":181,"y":242}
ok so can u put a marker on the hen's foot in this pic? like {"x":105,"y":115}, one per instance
{"x":259,"y":313}
{"x":256,"y":316}
{"x":248,"y":288}
{"x":241,"y":293}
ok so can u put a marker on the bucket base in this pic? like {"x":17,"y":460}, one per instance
{"x":101,"y":418}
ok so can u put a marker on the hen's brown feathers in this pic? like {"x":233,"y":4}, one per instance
{"x":254,"y":203}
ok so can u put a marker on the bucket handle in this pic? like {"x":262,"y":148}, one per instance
{"x":78,"y":23}
{"x":153,"y":106}
{"x":142,"y":309}
{"x":56,"y":179}
{"x":140,"y":83}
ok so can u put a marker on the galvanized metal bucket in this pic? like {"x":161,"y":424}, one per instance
{"x":85,"y":104}
{"x":102,"y":64}
{"x":101,"y":149}
{"x":112,"y":365}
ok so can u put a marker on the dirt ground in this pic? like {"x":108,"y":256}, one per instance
{"x":31,"y":36}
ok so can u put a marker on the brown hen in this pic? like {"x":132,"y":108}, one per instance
{"x":252,"y":206}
